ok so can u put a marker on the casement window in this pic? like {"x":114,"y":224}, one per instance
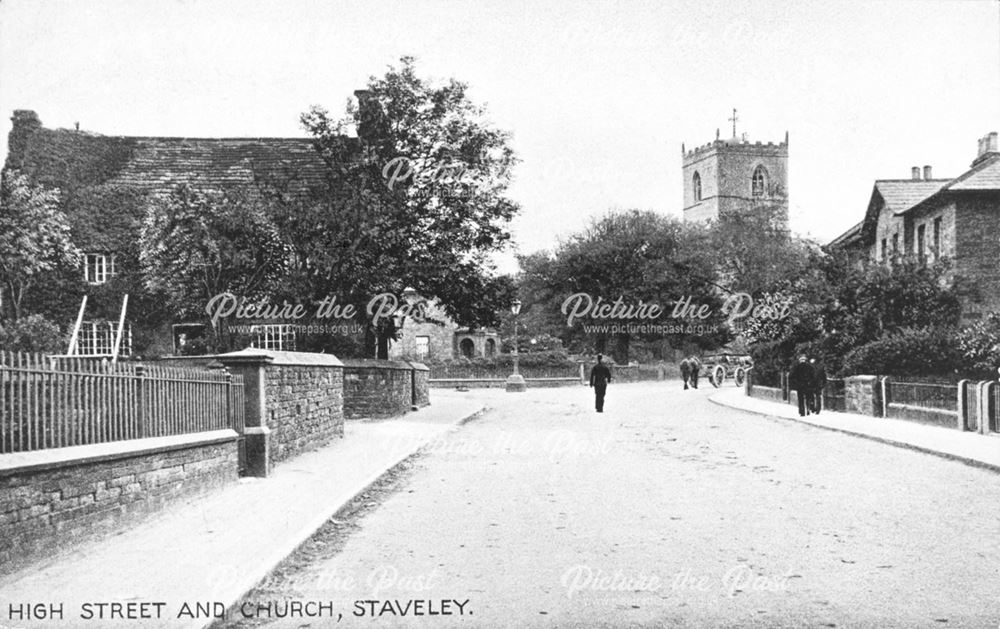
{"x":885,"y":250}
{"x":895,"y":244}
{"x":937,"y":238}
{"x":277,"y":337}
{"x":98,"y":268}
{"x":921,"y":237}
{"x":758,"y":184}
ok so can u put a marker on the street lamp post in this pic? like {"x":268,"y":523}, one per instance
{"x":515,"y":382}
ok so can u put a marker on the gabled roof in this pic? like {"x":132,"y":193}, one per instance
{"x":65,"y":158}
{"x":848,"y":239}
{"x":159,"y":163}
{"x":900,"y":195}
{"x":982,"y":177}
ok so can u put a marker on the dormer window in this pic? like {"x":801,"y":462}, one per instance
{"x":696,"y":186}
{"x":759,"y":182}
{"x":98,"y":268}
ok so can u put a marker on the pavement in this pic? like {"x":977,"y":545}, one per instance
{"x":215,"y":548}
{"x":967,"y":447}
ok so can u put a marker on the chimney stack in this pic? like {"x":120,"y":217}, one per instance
{"x":927,"y":173}
{"x":25,"y":123}
{"x":915,"y":173}
{"x":987,"y":147}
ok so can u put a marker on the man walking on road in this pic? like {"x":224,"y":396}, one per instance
{"x":801,"y":379}
{"x":600,"y":376}
{"x":686,"y":372}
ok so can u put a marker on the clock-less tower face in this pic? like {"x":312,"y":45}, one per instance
{"x":732,"y":176}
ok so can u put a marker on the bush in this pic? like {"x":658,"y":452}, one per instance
{"x":769,"y":360}
{"x":980,"y":346}
{"x":909,"y":352}
{"x":33,"y":333}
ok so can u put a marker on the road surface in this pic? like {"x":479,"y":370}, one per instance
{"x":664,"y":511}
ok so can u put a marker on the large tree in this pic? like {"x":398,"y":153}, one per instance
{"x":417,"y":200}
{"x":635,"y":256}
{"x":34,"y":240}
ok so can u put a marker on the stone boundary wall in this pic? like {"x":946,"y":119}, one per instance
{"x":50,"y":500}
{"x":377,"y":388}
{"x":294,"y":403}
{"x":305,"y":408}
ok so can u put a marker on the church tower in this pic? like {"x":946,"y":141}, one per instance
{"x":735,"y":176}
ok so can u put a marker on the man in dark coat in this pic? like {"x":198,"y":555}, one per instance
{"x":686,"y":372}
{"x":802,"y":380}
{"x":819,"y":377}
{"x":600,"y":376}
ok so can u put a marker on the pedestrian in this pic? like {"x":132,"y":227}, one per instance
{"x":819,"y":375}
{"x":695,"y":368}
{"x":686,"y":371}
{"x":802,"y":380}
{"x":600,"y":376}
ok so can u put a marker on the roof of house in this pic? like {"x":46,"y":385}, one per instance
{"x":157,"y":163}
{"x":900,"y":195}
{"x":850,"y":237}
{"x":982,"y":177}
{"x":67,"y":158}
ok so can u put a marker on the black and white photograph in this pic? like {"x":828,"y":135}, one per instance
{"x":499,"y":314}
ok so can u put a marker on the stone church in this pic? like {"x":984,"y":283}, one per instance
{"x":734,"y":175}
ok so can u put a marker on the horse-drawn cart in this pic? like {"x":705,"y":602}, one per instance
{"x":722,"y":367}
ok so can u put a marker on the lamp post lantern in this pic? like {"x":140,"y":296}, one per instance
{"x":515,"y":382}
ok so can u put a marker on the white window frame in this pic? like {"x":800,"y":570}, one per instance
{"x":424,"y":350}
{"x":98,"y":268}
{"x":274,"y":336}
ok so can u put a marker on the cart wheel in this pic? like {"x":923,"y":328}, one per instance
{"x":718,"y":375}
{"x":740,"y":377}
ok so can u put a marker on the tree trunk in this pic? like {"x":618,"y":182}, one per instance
{"x":371,"y":342}
{"x":621,"y":349}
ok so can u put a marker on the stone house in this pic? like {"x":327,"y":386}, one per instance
{"x":955,"y":219}
{"x":105,"y":182}
{"x":437,"y":337}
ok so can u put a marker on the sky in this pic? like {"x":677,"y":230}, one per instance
{"x":598,"y":95}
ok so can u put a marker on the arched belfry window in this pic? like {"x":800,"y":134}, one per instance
{"x":759,"y":183}
{"x":696,"y":186}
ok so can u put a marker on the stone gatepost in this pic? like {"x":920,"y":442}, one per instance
{"x":252,"y":365}
{"x":863,"y":395}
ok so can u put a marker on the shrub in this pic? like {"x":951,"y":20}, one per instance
{"x":909,"y":352}
{"x":33,"y":333}
{"x":980,"y":346}
{"x":769,"y":360}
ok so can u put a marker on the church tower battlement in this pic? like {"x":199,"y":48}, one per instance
{"x":734,"y":175}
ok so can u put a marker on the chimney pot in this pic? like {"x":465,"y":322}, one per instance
{"x":915,"y":171}
{"x":927,"y":172}
{"x":992,"y":139}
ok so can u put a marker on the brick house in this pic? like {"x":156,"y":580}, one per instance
{"x":936,"y":219}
